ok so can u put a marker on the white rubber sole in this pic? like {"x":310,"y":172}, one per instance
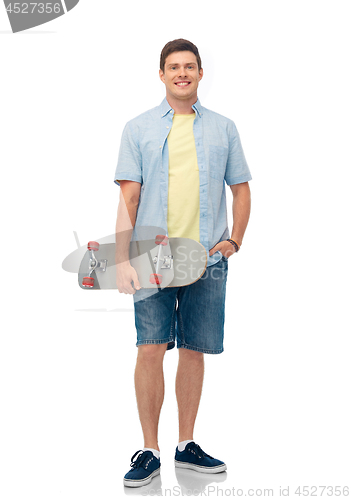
{"x":200,"y":468}
{"x":135,"y":483}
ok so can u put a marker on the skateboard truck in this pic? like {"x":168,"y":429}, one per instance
{"x":94,"y":264}
{"x":167,"y":262}
{"x":161,"y":262}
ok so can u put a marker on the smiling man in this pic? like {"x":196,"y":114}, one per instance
{"x":173,"y":164}
{"x":181,"y":75}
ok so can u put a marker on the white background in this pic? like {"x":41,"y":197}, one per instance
{"x":276,"y":403}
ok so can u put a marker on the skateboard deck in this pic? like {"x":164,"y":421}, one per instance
{"x":159,"y":262}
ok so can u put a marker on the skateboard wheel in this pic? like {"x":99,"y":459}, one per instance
{"x":88,"y":282}
{"x":93,"y":245}
{"x":161,"y":239}
{"x":156,"y":279}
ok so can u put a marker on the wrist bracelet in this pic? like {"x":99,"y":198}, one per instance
{"x":234,"y":243}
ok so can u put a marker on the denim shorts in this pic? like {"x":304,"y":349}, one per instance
{"x":193,"y":315}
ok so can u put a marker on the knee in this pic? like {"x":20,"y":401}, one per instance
{"x":191,"y":356}
{"x":151,"y":352}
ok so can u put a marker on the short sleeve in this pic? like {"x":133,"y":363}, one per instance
{"x":237,"y":170}
{"x":129,"y":158}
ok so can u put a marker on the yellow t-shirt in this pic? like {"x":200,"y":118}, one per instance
{"x":183,"y":218}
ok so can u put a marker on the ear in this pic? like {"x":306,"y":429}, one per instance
{"x":162,"y":77}
{"x":201,"y":73}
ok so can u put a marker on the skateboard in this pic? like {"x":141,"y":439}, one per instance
{"x":159,"y":262}
{"x":23,"y":15}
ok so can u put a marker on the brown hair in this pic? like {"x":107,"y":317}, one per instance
{"x":177,"y":46}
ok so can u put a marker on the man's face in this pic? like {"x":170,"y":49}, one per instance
{"x":181,"y":75}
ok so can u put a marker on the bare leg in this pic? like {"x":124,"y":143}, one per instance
{"x":149,"y":390}
{"x":189,"y":380}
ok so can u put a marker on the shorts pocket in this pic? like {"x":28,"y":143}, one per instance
{"x":223,"y":258}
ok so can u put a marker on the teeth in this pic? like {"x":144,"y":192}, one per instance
{"x":182,"y":84}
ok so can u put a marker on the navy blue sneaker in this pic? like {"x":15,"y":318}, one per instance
{"x":193,"y":457}
{"x":144,"y":468}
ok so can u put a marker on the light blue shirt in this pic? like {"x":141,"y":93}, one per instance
{"x":143,"y":157}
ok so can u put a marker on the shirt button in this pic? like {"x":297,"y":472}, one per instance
{"x":167,"y":127}
{"x":160,"y":147}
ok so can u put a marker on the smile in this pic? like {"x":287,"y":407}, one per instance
{"x":182,"y":84}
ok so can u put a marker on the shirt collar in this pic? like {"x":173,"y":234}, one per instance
{"x":165,"y":108}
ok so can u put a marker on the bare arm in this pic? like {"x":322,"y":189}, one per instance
{"x":241,"y":213}
{"x":126,"y":217}
{"x":241,"y":210}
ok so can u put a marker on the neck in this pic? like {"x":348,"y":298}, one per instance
{"x":182,"y":107}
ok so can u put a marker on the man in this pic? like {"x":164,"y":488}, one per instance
{"x":172,"y":165}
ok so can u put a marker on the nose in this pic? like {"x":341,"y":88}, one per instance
{"x":182,"y":72}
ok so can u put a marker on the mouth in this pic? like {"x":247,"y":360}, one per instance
{"x":182,"y":84}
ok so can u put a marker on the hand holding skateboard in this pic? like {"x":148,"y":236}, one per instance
{"x":125,"y":275}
